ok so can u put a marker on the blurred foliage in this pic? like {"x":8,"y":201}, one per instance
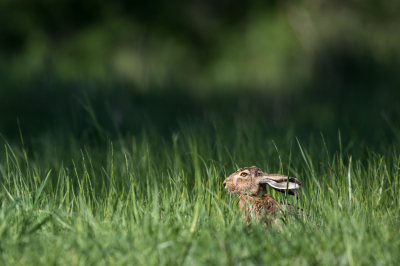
{"x":313,"y":64}
{"x":267,"y":45}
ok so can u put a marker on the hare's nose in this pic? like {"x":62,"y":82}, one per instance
{"x":224,"y":183}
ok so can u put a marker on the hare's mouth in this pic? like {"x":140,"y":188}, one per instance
{"x":231,"y":191}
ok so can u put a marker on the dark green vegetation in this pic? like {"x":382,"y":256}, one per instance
{"x":273,"y":45}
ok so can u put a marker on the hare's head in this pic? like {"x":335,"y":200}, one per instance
{"x":252,"y":180}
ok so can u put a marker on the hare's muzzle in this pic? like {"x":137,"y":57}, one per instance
{"x":224,"y":183}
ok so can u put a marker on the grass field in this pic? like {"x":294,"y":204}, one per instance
{"x":156,"y":199}
{"x":120,"y":120}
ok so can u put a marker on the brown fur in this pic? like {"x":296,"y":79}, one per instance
{"x":253,"y":196}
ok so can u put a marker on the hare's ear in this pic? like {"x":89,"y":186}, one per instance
{"x":280,"y":183}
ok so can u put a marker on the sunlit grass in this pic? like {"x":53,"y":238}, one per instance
{"x":146,"y":200}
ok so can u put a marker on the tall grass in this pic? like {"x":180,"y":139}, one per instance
{"x":145,"y":200}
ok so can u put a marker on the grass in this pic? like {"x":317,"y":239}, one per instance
{"x":146,"y":199}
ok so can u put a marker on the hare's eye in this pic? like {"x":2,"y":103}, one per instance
{"x":243,"y":174}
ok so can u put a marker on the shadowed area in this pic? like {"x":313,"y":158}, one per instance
{"x":120,"y":67}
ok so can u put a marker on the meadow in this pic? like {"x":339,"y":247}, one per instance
{"x":119,"y":121}
{"x":151,"y":198}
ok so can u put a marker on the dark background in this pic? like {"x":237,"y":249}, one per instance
{"x":119,"y":67}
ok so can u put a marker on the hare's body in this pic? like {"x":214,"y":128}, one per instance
{"x":250,"y":183}
{"x":263,"y":207}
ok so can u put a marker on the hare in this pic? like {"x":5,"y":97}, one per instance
{"x":250,"y":183}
